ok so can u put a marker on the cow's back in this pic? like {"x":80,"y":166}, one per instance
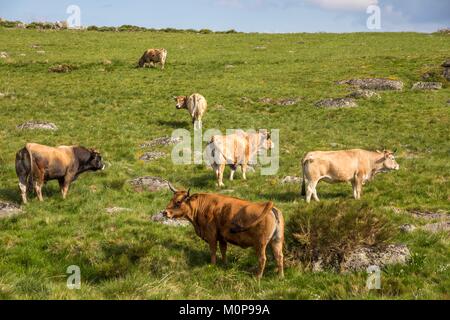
{"x":45,"y":156}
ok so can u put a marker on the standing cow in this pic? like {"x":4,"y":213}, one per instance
{"x":151,"y":57}
{"x":237,"y":149}
{"x":223,"y":219}
{"x":196,"y":106}
{"x":356,"y":166}
{"x":36,"y":164}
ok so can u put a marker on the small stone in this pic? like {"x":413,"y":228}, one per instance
{"x":150,"y":184}
{"x":229,"y":66}
{"x":336,"y":103}
{"x":32,"y":125}
{"x":364,"y":94}
{"x":160,"y":218}
{"x":4,"y":55}
{"x":291,"y":179}
{"x":407,"y":228}
{"x":427,"y":86}
{"x":446,"y":64}
{"x":150,"y":156}
{"x":8,"y":209}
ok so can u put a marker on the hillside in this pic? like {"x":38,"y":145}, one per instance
{"x":106,"y":103}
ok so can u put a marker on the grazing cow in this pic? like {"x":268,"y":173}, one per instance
{"x":196,"y":105}
{"x":151,"y":57}
{"x":237,"y":149}
{"x":223,"y":219}
{"x":357,"y":166}
{"x":36,"y":164}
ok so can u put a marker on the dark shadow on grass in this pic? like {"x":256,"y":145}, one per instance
{"x":176,"y":124}
{"x":11,"y":195}
{"x":284,"y":196}
{"x":200,"y":181}
{"x":195,"y":257}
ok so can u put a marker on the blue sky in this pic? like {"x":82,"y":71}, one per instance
{"x":242,"y":15}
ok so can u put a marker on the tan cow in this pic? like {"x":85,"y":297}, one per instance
{"x":237,"y":149}
{"x":196,"y":106}
{"x":356,"y":166}
{"x":221,"y":219}
{"x":36,"y":164}
{"x":151,"y":57}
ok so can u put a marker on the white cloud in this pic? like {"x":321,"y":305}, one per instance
{"x":350,"y":5}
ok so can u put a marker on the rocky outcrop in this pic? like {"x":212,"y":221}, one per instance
{"x":8,"y":209}
{"x":33,"y":125}
{"x":364,"y":94}
{"x":374,"y":84}
{"x":161,"y":141}
{"x":335,"y":103}
{"x":427,"y":86}
{"x":150,"y":184}
{"x":160,"y":218}
{"x":62,"y":68}
{"x":153,"y":155}
{"x":446,"y":73}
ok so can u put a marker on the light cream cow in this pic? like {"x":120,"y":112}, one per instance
{"x":196,"y":105}
{"x":356,"y":166}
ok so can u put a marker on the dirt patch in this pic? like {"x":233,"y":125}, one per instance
{"x":148,"y":183}
{"x":160,"y":218}
{"x":161,"y":141}
{"x":153,"y":155}
{"x":364,"y":94}
{"x":8,"y":209}
{"x":33,"y":125}
{"x":62,"y":68}
{"x":374,"y":84}
{"x":427,"y":86}
{"x":335,"y":103}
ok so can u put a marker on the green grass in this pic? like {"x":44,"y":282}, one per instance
{"x":115,"y":108}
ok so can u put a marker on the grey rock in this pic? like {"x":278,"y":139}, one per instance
{"x":148,"y":183}
{"x":427,"y":86}
{"x":161,"y":141}
{"x":443,"y":226}
{"x":361,"y":258}
{"x":429,"y":215}
{"x":446,"y":64}
{"x":407,"y":228}
{"x":374,"y":84}
{"x":291,"y":179}
{"x":4,"y":55}
{"x":446,"y":73}
{"x":8,"y":209}
{"x":336,"y":103}
{"x":281,"y":101}
{"x":153,"y":155}
{"x":364,"y":94}
{"x":32,"y":125}
{"x":160,"y":218}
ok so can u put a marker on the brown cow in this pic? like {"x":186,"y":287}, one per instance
{"x":223,"y":219}
{"x":36,"y":164}
{"x":356,"y":166}
{"x":151,"y":57}
{"x":237,"y":149}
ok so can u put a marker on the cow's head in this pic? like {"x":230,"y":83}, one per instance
{"x":177,"y":207}
{"x":95,"y":160}
{"x":181,"y":102}
{"x":388,"y":160}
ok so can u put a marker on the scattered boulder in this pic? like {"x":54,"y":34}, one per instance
{"x":8,"y":209}
{"x":281,"y":101}
{"x":334,"y":103}
{"x":162,"y":141}
{"x":427,"y":86}
{"x":4,"y":55}
{"x":443,"y":226}
{"x":160,"y":218}
{"x":291,"y":179}
{"x":407,"y":228}
{"x":364,"y":94}
{"x":446,"y":73}
{"x":374,"y":84}
{"x":32,"y":125}
{"x":150,"y":184}
{"x":361,"y":258}
{"x":153,"y":155}
{"x":113,"y":210}
{"x":62,"y":68}
{"x":429,"y":215}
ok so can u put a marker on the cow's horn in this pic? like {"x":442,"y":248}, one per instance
{"x":188,"y":192}
{"x":171,"y":187}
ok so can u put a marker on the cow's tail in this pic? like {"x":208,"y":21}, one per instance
{"x":304,"y":163}
{"x":24,"y":160}
{"x":239,"y":226}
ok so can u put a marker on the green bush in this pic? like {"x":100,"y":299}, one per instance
{"x":329,"y":231}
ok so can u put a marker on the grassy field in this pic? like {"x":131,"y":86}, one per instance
{"x":116,"y":107}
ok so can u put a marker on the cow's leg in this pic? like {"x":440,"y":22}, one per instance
{"x":64,"y":184}
{"x":23,"y":188}
{"x":277,"y":249}
{"x":311,"y":190}
{"x":38,"y":188}
{"x":223,"y":250}
{"x":233,"y":171}
{"x":213,"y":249}
{"x":221,"y":170}
{"x":358,"y":189}
{"x":244,"y":170}
{"x":261,"y":253}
